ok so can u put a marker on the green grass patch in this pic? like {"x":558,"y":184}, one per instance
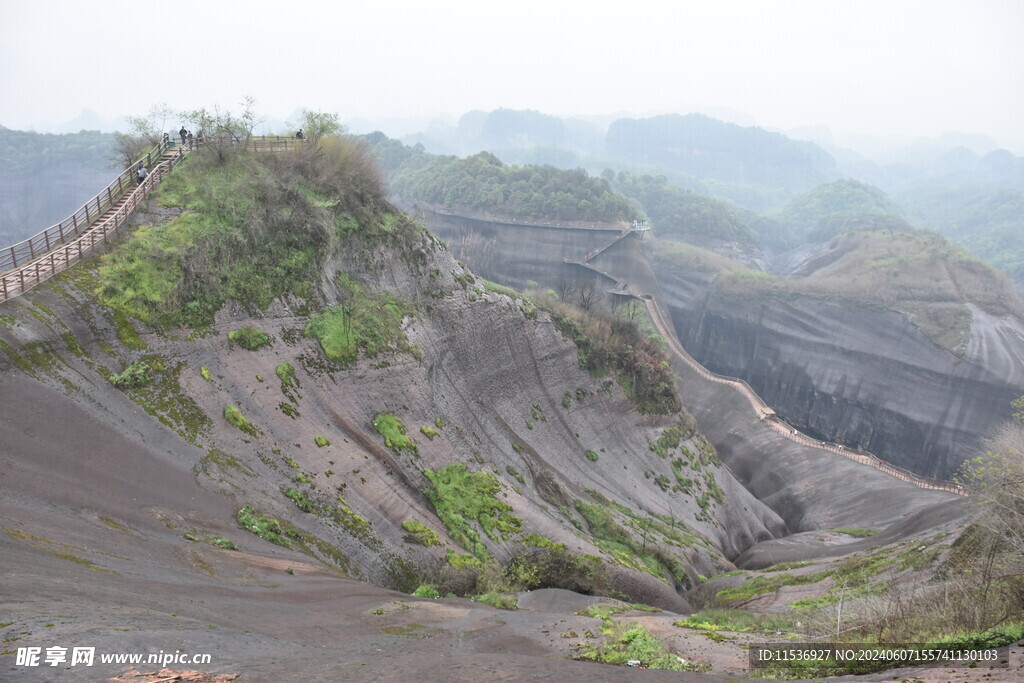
{"x":426,"y":591}
{"x":604,"y":612}
{"x":235,"y":417}
{"x":617,"y":541}
{"x":370,"y":324}
{"x":626,"y":642}
{"x":735,"y":620}
{"x":286,"y":373}
{"x":391,"y":428}
{"x":299,"y":498}
{"x":759,"y":585}
{"x":499,"y":600}
{"x":460,"y":497}
{"x":429,"y":432}
{"x":204,"y":372}
{"x":856,"y":532}
{"x":538,"y":541}
{"x":419,"y":532}
{"x":249,"y":338}
{"x":592,"y":456}
{"x":321,"y":441}
{"x":462,"y":560}
{"x":784,"y":566}
{"x":267,"y":527}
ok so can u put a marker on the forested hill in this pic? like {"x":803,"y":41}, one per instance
{"x":44,"y":178}
{"x":701,"y":146}
{"x":987,"y":220}
{"x":824,"y":212}
{"x":683,"y":214}
{"x":483,"y":184}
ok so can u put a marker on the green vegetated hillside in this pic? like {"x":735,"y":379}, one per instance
{"x":483,"y":185}
{"x":989,"y":221}
{"x":45,"y":178}
{"x":680,"y":213}
{"x":366,"y":401}
{"x":822,"y":213}
{"x":276,"y":313}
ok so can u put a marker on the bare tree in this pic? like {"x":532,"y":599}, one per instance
{"x":585,"y":296}
{"x":223,"y":131}
{"x":143,"y":132}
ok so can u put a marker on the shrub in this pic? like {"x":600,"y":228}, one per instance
{"x":269,"y":528}
{"x":499,"y":600}
{"x":426,"y":591}
{"x":391,"y":428}
{"x":610,"y":345}
{"x":134,"y":376}
{"x":234,"y":416}
{"x":592,"y":456}
{"x":420,"y":533}
{"x":205,"y":373}
{"x":249,"y":337}
{"x":286,"y":373}
{"x":299,"y":498}
{"x":429,"y":432}
{"x":321,"y":441}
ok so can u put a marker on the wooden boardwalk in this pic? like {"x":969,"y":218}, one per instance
{"x":37,"y":259}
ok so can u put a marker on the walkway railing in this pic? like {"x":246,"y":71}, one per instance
{"x":71,"y":227}
{"x":35,"y":260}
{"x":767,"y":415}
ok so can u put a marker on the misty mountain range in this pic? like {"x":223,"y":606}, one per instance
{"x":961,"y":185}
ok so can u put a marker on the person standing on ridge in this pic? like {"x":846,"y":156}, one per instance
{"x":190,"y":139}
{"x":183,"y":133}
{"x":298,"y":136}
{"x":141,"y":173}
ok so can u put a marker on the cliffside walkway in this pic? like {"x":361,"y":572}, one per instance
{"x":619,"y":226}
{"x":761,"y":409}
{"x":57,"y":248}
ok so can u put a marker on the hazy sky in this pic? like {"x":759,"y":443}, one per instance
{"x":896,"y":67}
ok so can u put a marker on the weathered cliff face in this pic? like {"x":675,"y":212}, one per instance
{"x":808,"y":488}
{"x":863,"y":377}
{"x":495,"y":379}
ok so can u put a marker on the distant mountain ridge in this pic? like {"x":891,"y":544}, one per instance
{"x":701,"y":146}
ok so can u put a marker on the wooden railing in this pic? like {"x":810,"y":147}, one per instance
{"x":77,"y":223}
{"x":74,"y":225}
{"x":35,"y":260}
{"x":18,"y":281}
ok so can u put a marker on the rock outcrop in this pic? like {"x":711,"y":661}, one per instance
{"x":860,"y":376}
